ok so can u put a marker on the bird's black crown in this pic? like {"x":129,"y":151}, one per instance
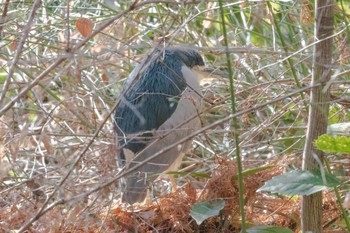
{"x":189,"y":57}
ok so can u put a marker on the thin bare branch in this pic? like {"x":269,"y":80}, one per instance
{"x":19,"y":50}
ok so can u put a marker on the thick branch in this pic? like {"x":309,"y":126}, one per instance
{"x":318,"y":111}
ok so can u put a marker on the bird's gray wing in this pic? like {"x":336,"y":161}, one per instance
{"x":148,"y":118}
{"x":147,"y":103}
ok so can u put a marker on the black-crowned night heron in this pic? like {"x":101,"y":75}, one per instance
{"x":159,"y":106}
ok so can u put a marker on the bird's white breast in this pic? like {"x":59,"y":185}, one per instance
{"x":185,"y":119}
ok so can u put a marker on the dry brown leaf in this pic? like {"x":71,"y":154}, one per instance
{"x":306,"y":14}
{"x":38,"y":194}
{"x":84,"y":26}
{"x":191,"y":192}
{"x":104,"y":79}
{"x":47,"y":143}
{"x":13,"y":45}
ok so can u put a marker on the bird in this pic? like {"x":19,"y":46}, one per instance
{"x":159,"y":105}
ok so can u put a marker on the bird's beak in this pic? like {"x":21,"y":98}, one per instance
{"x":207,"y":74}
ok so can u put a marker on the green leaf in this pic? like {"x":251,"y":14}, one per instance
{"x":3,"y":77}
{"x":200,"y":174}
{"x":299,"y":182}
{"x":253,"y":171}
{"x":335,"y":117}
{"x":334,"y":144}
{"x":193,"y":174}
{"x":268,"y":229}
{"x":206,"y":209}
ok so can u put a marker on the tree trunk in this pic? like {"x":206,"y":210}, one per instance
{"x":311,"y":210}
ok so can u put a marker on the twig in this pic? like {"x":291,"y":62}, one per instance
{"x":43,"y":210}
{"x":3,"y":16}
{"x":19,"y":51}
{"x":134,"y":6}
{"x":82,"y":153}
{"x":122,"y":173}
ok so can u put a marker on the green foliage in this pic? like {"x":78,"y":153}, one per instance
{"x":253,"y":171}
{"x":333,"y":144}
{"x":299,"y":182}
{"x":334,"y":116}
{"x":192,"y":174}
{"x":206,"y":209}
{"x":3,"y":76}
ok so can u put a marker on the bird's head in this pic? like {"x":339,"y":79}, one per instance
{"x":189,"y":57}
